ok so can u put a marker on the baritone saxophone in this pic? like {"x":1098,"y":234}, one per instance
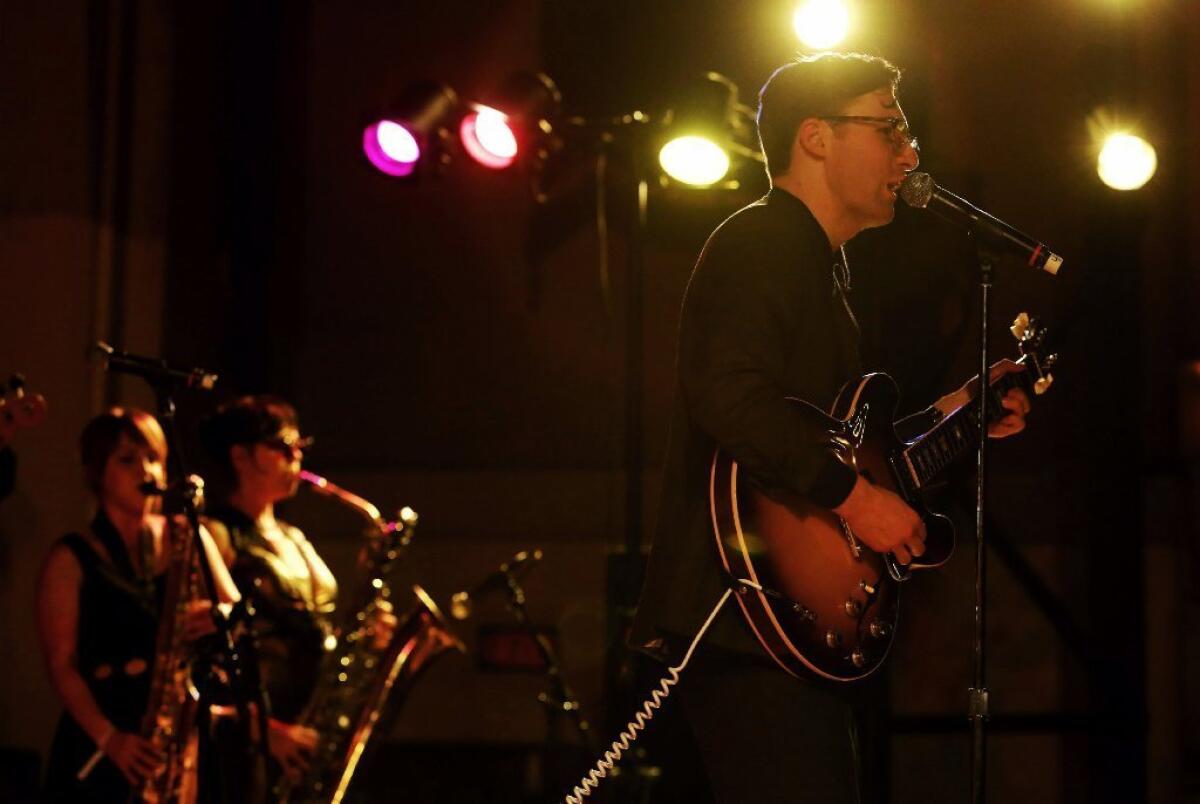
{"x":360,"y":681}
{"x":169,"y":722}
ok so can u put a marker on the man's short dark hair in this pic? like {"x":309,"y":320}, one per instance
{"x":810,"y":87}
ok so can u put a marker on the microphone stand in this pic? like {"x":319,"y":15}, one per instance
{"x":560,"y":699}
{"x":185,"y":495}
{"x":977,"y":709}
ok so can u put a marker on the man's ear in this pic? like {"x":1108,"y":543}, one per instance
{"x":812,"y":138}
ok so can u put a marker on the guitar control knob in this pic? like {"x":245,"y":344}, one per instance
{"x":853,"y":608}
{"x":866,"y":587}
{"x":878,"y":629}
{"x":858,"y":658}
{"x":833,"y":638}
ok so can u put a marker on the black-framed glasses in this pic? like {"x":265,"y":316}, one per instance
{"x":894,"y":128}
{"x":288,"y":446}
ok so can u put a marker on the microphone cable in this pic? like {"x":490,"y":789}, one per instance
{"x":643,"y":716}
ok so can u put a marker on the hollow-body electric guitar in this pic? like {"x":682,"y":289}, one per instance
{"x":817,"y":599}
{"x":19,"y":409}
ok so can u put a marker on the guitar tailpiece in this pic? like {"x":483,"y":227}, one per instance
{"x":643,"y":716}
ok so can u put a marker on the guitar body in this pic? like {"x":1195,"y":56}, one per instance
{"x":18,"y":409}
{"x":817,"y":599}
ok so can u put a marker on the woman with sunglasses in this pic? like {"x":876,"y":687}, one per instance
{"x":98,"y":607}
{"x":257,"y":446}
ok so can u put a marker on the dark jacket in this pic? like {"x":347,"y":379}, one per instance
{"x":764,"y":318}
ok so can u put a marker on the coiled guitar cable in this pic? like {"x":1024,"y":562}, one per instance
{"x":632,"y":729}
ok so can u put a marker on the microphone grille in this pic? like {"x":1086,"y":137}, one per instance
{"x":917,"y":189}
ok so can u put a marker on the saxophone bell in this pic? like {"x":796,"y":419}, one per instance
{"x":363,"y":684}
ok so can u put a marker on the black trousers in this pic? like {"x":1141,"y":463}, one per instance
{"x":766,"y":736}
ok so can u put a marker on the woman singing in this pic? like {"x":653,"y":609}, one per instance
{"x":98,"y":608}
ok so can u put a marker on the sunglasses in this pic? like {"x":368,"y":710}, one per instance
{"x":288,"y":446}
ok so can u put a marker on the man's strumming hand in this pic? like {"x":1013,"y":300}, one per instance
{"x":881,"y":520}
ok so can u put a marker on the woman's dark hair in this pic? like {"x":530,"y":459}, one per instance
{"x":103,"y":433}
{"x":246,"y":420}
{"x":811,"y":87}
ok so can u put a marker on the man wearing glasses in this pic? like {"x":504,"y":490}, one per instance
{"x":767,"y":316}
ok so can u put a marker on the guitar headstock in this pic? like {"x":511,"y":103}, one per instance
{"x":18,"y":408}
{"x":1031,"y":342}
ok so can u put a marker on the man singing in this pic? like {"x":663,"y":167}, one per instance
{"x":766,"y":316}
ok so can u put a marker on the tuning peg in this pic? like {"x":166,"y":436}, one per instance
{"x":1020,"y":327}
{"x":1042,"y":384}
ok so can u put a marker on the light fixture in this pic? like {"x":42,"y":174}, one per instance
{"x":1126,"y":161}
{"x":488,"y":138}
{"x":821,"y":24}
{"x":694,"y":160}
{"x":410,"y":130}
{"x":516,"y":122}
{"x":702,"y":130}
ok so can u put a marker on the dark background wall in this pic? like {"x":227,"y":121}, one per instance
{"x":187,"y":180}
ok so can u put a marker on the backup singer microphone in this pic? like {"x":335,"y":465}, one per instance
{"x":156,"y":371}
{"x":460,"y":602}
{"x":919,"y":190}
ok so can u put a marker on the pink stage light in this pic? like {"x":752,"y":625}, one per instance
{"x":391,"y":147}
{"x":488,"y":138}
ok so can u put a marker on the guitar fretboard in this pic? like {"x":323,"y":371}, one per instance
{"x":929,"y":455}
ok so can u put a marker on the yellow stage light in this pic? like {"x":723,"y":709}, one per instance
{"x":694,"y":160}
{"x":821,"y":24}
{"x":1126,"y":162}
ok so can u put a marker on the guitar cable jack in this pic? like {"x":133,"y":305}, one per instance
{"x":643,"y":716}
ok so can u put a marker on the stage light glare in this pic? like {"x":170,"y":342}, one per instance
{"x":488,"y":138}
{"x":397,"y":142}
{"x":391,"y":148}
{"x":1126,"y":162}
{"x":821,"y":24}
{"x":694,"y":160}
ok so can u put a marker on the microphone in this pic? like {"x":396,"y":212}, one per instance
{"x":919,"y":190}
{"x":155,"y":371}
{"x":460,"y":602}
{"x":191,"y":487}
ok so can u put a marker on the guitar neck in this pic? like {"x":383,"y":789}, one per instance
{"x":928,"y":456}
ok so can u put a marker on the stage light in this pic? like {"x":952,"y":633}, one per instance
{"x":821,"y":24}
{"x":516,"y":122}
{"x":694,"y":160}
{"x":488,"y":138}
{"x":391,"y":147}
{"x":706,"y":127}
{"x":410,"y":129}
{"x":1126,"y":161}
